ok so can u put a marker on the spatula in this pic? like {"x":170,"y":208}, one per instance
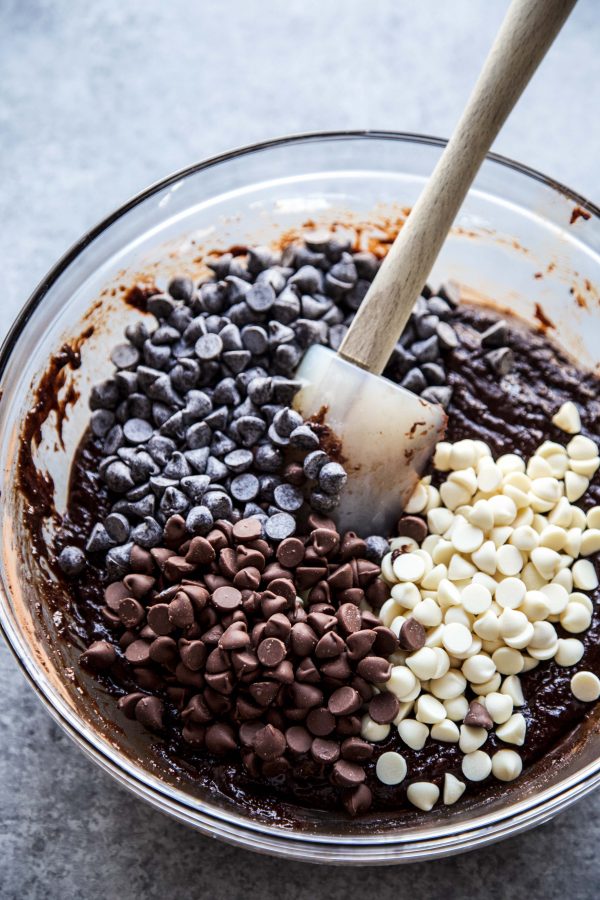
{"x":387,"y":433}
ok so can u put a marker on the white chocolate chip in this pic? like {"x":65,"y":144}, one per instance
{"x":556,"y":598}
{"x":553,"y":536}
{"x":387,"y":571}
{"x":503,"y":509}
{"x":544,"y":636}
{"x":565,"y":579}
{"x":478,"y":668}
{"x":413,"y":733}
{"x":546,"y":561}
{"x":406,"y":595}
{"x":529,"y":663}
{"x":532,"y":579}
{"x":486,"y":557}
{"x":456,"y":708}
{"x":417,"y":501}
{"x":500,"y":534}
{"x":575,"y":486}
{"x":423,"y":663}
{"x":423,"y":794}
{"x":549,"y":489}
{"x":476,"y":766}
{"x":524,"y":538}
{"x":431,"y":581}
{"x":450,"y":685}
{"x":428,"y":613}
{"x":456,"y":638}
{"x":578,"y":518}
{"x":389,"y":611}
{"x":445,"y":731}
{"x":460,"y":568}
{"x":538,"y":467}
{"x":581,"y":447}
{"x":577,"y":597}
{"x":457,"y":614}
{"x":453,"y":789}
{"x":510,"y":593}
{"x":429,"y":710}
{"x":402,"y":682}
{"x":584,"y":575}
{"x":391,"y":768}
{"x":409,"y":567}
{"x":585,"y":687}
{"x":522,"y":639}
{"x":454,"y":495}
{"x":510,"y":462}
{"x":590,"y":542}
{"x":512,"y":622}
{"x":593,"y":517}
{"x":481,"y":515}
{"x":576,"y":618}
{"x":567,"y":418}
{"x":573,"y":542}
{"x":476,"y":599}
{"x":439,"y":520}
{"x":488,"y":687}
{"x":471,"y":738}
{"x":513,"y":731}
{"x":466,"y":538}
{"x":404,"y":543}
{"x":487,"y":626}
{"x":499,"y":706}
{"x":441,"y":458}
{"x":373,"y":731}
{"x":568,"y":652}
{"x":489,"y":475}
{"x":443,"y":660}
{"x":404,"y":710}
{"x":586,"y":467}
{"x":512,"y":687}
{"x":506,"y":765}
{"x":508,"y":661}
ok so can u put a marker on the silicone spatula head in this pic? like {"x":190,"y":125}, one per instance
{"x":385,"y":436}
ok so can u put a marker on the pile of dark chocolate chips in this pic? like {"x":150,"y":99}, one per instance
{"x":211,"y":474}
{"x":214,"y":623}
{"x":197,"y":421}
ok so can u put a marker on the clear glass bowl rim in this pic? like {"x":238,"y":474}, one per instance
{"x":378,"y":848}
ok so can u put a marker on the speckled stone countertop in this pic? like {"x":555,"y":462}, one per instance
{"x":97,"y":101}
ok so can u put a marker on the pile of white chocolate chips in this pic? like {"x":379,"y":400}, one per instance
{"x":503,"y":563}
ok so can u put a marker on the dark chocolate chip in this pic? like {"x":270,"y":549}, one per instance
{"x":344,"y":701}
{"x":478,"y":716}
{"x":320,"y":722}
{"x":269,"y":743}
{"x":324,"y":751}
{"x":348,"y":774}
{"x":384,"y":708}
{"x":100,"y":655}
{"x":149,"y":712}
{"x":412,"y":635}
{"x":227,"y":599}
{"x":374,"y":669}
{"x":413,"y":527}
{"x":271,"y":651}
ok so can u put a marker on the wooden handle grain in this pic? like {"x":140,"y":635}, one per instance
{"x":526,"y":34}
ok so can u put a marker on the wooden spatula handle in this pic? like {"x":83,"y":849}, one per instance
{"x":528,"y":30}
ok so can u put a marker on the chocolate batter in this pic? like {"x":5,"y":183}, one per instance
{"x":511,"y":414}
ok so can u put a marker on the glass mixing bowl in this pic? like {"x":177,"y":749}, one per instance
{"x":521,"y":242}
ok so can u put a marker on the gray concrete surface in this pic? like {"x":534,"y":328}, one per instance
{"x":96,"y":101}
